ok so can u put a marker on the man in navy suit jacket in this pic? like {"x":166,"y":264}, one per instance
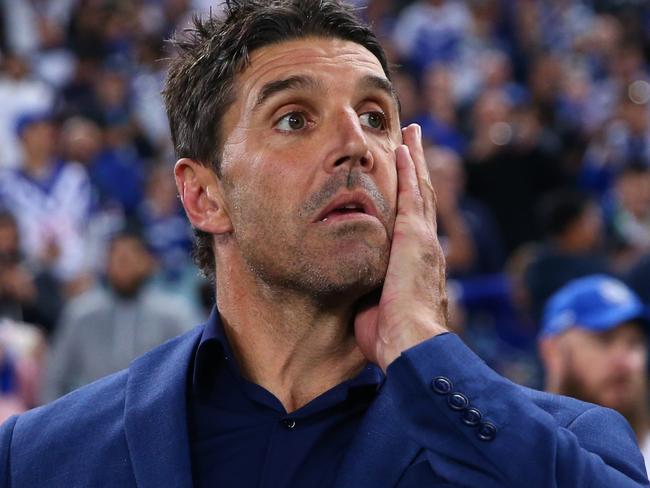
{"x":327,"y":361}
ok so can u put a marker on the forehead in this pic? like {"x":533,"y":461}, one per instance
{"x":127,"y":244}
{"x":629,"y":330}
{"x":322,"y":57}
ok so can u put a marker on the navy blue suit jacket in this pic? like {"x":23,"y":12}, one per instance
{"x":130,"y":429}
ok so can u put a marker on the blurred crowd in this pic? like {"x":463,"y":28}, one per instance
{"x":536,"y":116}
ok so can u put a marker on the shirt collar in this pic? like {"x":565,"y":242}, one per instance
{"x":214,"y":349}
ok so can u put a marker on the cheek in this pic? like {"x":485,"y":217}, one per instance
{"x":239,"y":151}
{"x":387,"y":173}
{"x":588,"y":364}
{"x":264,"y":193}
{"x":638,"y":361}
{"x":386,"y":146}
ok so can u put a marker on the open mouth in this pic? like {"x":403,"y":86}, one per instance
{"x":348,"y":206}
{"x":347,"y":210}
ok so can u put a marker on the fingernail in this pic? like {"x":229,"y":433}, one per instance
{"x":419,"y":131}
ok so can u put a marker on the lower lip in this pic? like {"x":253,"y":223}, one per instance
{"x":347,"y":217}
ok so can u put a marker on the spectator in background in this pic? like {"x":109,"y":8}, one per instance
{"x":26,"y":294}
{"x":432,"y":31}
{"x":381,"y":15}
{"x":165,"y":227}
{"x":100,"y":332}
{"x":491,"y":125}
{"x":76,"y":97}
{"x":118,"y":170}
{"x":467,"y":231}
{"x":573,"y":226}
{"x":146,"y":86}
{"x":50,"y":199}
{"x":638,"y":278}
{"x":596,"y":50}
{"x":169,"y":236}
{"x":115,"y":171}
{"x":496,"y":74}
{"x":623,"y":141}
{"x":440,"y":121}
{"x":630,"y":131}
{"x":22,"y":347}
{"x":593,"y":345}
{"x":507,"y":161}
{"x":628,"y":214}
{"x":20,"y":93}
{"x":82,"y":141}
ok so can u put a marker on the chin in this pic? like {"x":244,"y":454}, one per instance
{"x":355,"y":279}
{"x":346,"y":267}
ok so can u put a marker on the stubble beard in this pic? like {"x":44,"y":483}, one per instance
{"x":321,"y":274}
{"x":343,"y":263}
{"x":633,"y":409}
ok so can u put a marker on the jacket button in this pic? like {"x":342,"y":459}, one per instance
{"x":289,"y":423}
{"x":472,"y":416}
{"x":458,"y":401}
{"x":441,"y":385}
{"x":487,"y":431}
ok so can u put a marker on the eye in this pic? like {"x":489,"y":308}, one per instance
{"x":373,"y":120}
{"x":292,"y":121}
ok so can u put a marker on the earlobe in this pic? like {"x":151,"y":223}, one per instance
{"x":201,"y":194}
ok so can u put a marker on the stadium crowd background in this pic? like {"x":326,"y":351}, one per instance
{"x":536,"y":116}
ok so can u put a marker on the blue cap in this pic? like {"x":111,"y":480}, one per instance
{"x":596,"y":303}
{"x":29,"y":118}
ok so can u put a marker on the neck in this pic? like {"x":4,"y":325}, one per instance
{"x":284,"y":341}
{"x":36,"y":163}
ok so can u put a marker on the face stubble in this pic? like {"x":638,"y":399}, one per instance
{"x":286,"y":250}
{"x":574,"y":385}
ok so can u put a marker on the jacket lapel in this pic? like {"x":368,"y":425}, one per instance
{"x":380,"y":451}
{"x":155,"y":414}
{"x":155,"y":418}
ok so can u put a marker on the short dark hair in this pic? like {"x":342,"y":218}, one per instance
{"x":562,"y":208}
{"x":133,"y":233}
{"x":199,"y":86}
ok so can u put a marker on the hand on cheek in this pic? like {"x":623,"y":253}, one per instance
{"x":413,"y":303}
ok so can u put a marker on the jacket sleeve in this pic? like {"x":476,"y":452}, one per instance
{"x":6,"y":433}
{"x":480,"y":429}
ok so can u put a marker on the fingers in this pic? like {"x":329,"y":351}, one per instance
{"x":409,"y":199}
{"x":412,"y":136}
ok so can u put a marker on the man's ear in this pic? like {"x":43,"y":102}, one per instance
{"x":202,"y":197}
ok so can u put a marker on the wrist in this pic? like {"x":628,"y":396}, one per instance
{"x":408,"y":334}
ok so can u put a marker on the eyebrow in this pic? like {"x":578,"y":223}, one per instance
{"x":382,"y":84}
{"x":300,"y":82}
{"x":272,"y":88}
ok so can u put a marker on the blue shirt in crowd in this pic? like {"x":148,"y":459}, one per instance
{"x":241,"y":435}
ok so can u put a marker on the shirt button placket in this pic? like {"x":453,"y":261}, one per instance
{"x":289,"y":423}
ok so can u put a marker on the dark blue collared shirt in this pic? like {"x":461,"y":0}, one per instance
{"x":241,"y":435}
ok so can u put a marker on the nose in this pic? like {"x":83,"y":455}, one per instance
{"x":350,"y":143}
